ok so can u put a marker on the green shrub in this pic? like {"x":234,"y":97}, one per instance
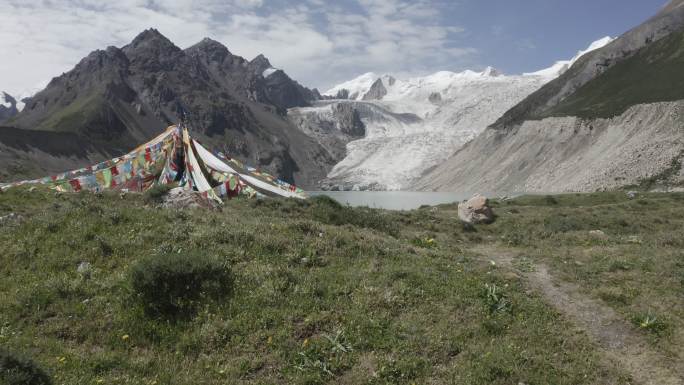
{"x":496,"y":299}
{"x":652,"y":324}
{"x":16,"y":370}
{"x":172,"y":286}
{"x":331,"y":212}
{"x":563,"y":224}
{"x":324,"y":200}
{"x":550,"y":200}
{"x":156,"y":193}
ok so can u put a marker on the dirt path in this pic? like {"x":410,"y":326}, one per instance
{"x":617,"y":338}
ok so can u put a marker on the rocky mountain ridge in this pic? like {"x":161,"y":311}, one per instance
{"x":614,"y":119}
{"x":540,"y":103}
{"x":643,"y":146}
{"x":120,"y":97}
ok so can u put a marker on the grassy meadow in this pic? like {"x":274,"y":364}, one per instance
{"x":311,"y":292}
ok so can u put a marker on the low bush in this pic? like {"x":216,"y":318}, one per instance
{"x":156,"y":193}
{"x":173,"y":286}
{"x":496,"y":299}
{"x":563,"y":224}
{"x":16,"y":370}
{"x":331,"y":212}
{"x":652,"y":324}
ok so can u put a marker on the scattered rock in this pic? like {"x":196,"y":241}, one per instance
{"x":598,"y":234}
{"x":85,"y":269}
{"x":435,"y":98}
{"x":181,"y":198}
{"x":10,"y":218}
{"x":476,"y":210}
{"x":631,"y":194}
{"x":634,"y":239}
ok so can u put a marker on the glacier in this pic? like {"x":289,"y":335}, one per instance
{"x":413,"y":125}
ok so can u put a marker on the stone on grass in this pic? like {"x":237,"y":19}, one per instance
{"x":631,"y":194}
{"x":475,"y":210}
{"x":85,"y":269}
{"x":598,"y":234}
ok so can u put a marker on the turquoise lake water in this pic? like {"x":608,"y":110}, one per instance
{"x":392,"y":200}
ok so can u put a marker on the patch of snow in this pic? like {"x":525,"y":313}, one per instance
{"x":558,"y":68}
{"x":269,"y":71}
{"x":20,"y":105}
{"x":357,"y":87}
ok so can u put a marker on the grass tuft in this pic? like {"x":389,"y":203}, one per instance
{"x":174,"y":286}
{"x":18,"y":370}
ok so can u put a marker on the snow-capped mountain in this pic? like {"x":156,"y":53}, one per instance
{"x":413,"y":125}
{"x":563,"y":65}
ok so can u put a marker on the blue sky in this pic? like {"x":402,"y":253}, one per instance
{"x":319,"y":43}
{"x":523,"y":35}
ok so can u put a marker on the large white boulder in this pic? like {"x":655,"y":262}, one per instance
{"x":475,"y":210}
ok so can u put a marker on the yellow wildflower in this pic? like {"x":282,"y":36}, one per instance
{"x":125,"y":337}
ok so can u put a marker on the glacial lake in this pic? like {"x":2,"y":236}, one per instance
{"x":392,"y":200}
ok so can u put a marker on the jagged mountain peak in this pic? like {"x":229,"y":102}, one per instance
{"x":150,"y":41}
{"x":100,"y":57}
{"x":149,"y":34}
{"x":260,"y":63}
{"x":210,"y":49}
{"x":116,"y":98}
{"x":208,"y":44}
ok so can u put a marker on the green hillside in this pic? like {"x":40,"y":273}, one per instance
{"x":289,"y":292}
{"x":654,"y":74}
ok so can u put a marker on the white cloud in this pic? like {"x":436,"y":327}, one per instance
{"x":316,"y":42}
